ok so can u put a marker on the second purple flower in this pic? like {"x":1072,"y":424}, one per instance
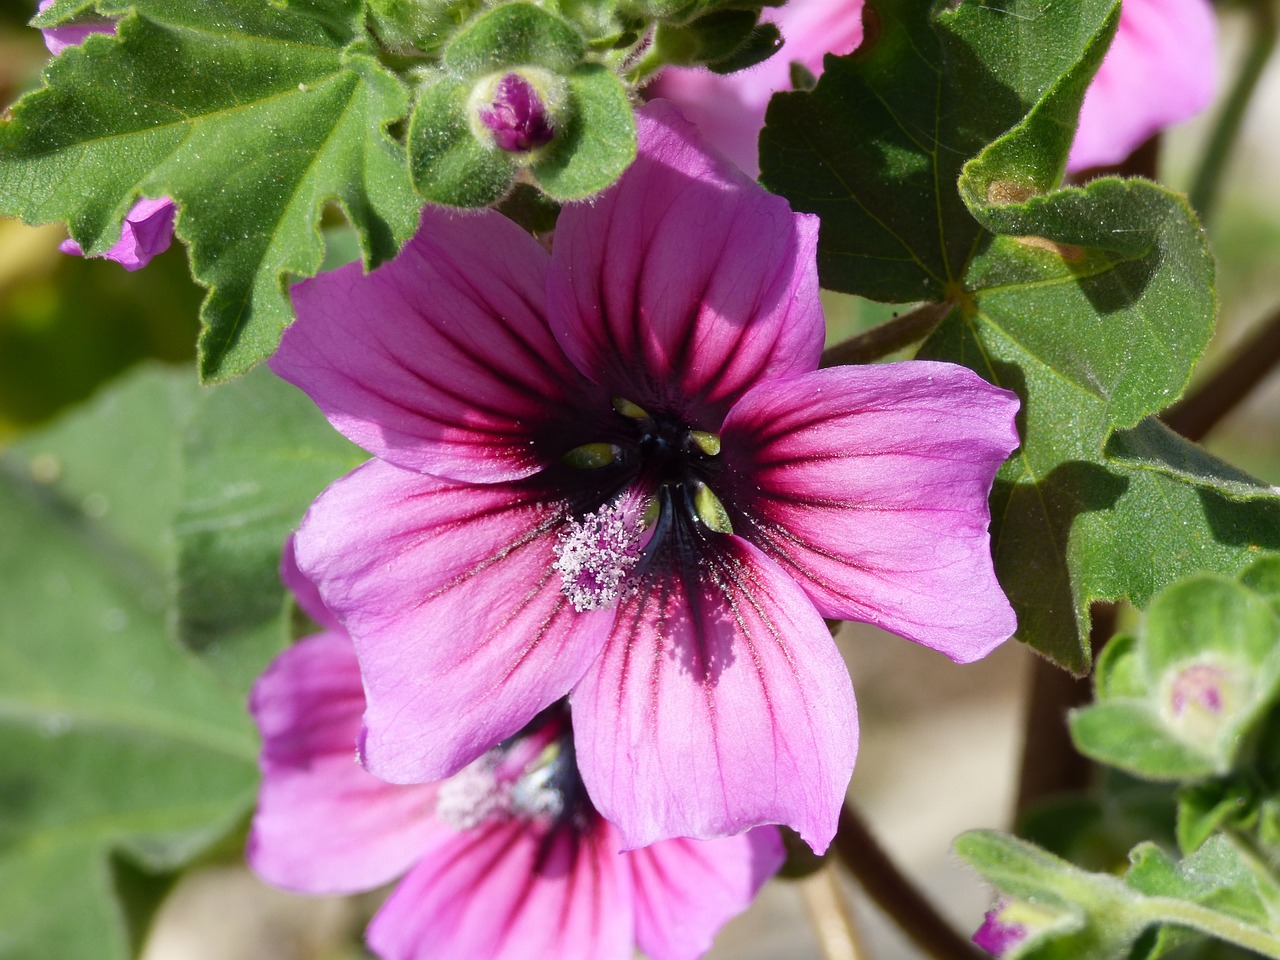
{"x":615,"y":472}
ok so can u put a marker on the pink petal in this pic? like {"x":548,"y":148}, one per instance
{"x":1161,"y":69}
{"x":685,"y":282}
{"x":324,"y":825}
{"x":687,"y":889}
{"x":870,"y":485}
{"x":729,"y":109}
{"x":514,"y":890}
{"x":58,"y":39}
{"x":720,"y":703}
{"x":146,"y":232}
{"x":458,"y":618}
{"x":305,"y":592}
{"x":440,"y":360}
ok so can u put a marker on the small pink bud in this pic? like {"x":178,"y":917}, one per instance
{"x":517,"y":117}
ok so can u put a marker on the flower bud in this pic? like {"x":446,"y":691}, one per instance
{"x":512,"y":112}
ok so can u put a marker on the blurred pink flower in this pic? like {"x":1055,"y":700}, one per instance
{"x":147,"y":229}
{"x":58,"y":39}
{"x":998,"y":935}
{"x":729,"y":110}
{"x":1160,"y":70}
{"x":507,"y":860}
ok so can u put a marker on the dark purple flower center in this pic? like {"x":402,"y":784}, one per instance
{"x":669,"y":451}
{"x":655,"y":505}
{"x":517,"y":117}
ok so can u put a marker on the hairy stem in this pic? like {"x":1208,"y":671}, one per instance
{"x":893,"y":893}
{"x":887,"y":338}
{"x":1262,"y":34}
{"x":1221,"y":926}
{"x":1197,"y":414}
{"x":831,"y":916}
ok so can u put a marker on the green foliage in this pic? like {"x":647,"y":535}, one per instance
{"x":255,"y":453}
{"x":251,"y":116}
{"x":1064,"y":912}
{"x":68,"y":324}
{"x":122,"y":757}
{"x":1092,"y":303}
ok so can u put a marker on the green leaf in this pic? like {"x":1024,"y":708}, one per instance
{"x":1098,"y":829}
{"x":120,"y":754}
{"x":1092,"y":303}
{"x":1153,"y":446}
{"x":876,"y":148}
{"x":1081,"y":916}
{"x":599,"y":144}
{"x":514,"y":34}
{"x":1093,"y":339}
{"x":243,"y":492}
{"x":251,"y":116}
{"x":1220,"y":874}
{"x":447,"y":163}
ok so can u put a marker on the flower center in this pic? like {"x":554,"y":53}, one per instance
{"x":682,"y":462}
{"x":662,"y":468}
{"x":530,"y":776}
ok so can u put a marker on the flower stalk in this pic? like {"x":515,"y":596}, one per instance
{"x":893,"y":892}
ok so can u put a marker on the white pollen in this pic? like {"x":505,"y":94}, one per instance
{"x":471,"y":796}
{"x":537,"y":796}
{"x":595,"y":556}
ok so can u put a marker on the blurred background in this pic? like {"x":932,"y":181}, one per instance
{"x":940,"y":743}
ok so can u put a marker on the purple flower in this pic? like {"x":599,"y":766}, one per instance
{"x":147,"y":231}
{"x":615,"y":472}
{"x":1012,"y":927}
{"x":998,"y":935}
{"x":1159,"y":71}
{"x":516,"y":116}
{"x":505,"y":860}
{"x":729,"y":109}
{"x":148,"y":226}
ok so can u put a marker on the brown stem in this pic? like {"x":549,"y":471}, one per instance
{"x":888,"y":337}
{"x":1050,"y":763}
{"x":831,"y":916}
{"x":893,"y":893}
{"x":1197,"y":414}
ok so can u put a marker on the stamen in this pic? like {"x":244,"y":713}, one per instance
{"x":596,"y":555}
{"x":629,"y":409}
{"x":710,"y":510}
{"x":708,"y":443}
{"x":593,"y":456}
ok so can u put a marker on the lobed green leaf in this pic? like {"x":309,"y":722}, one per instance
{"x":251,"y":116}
